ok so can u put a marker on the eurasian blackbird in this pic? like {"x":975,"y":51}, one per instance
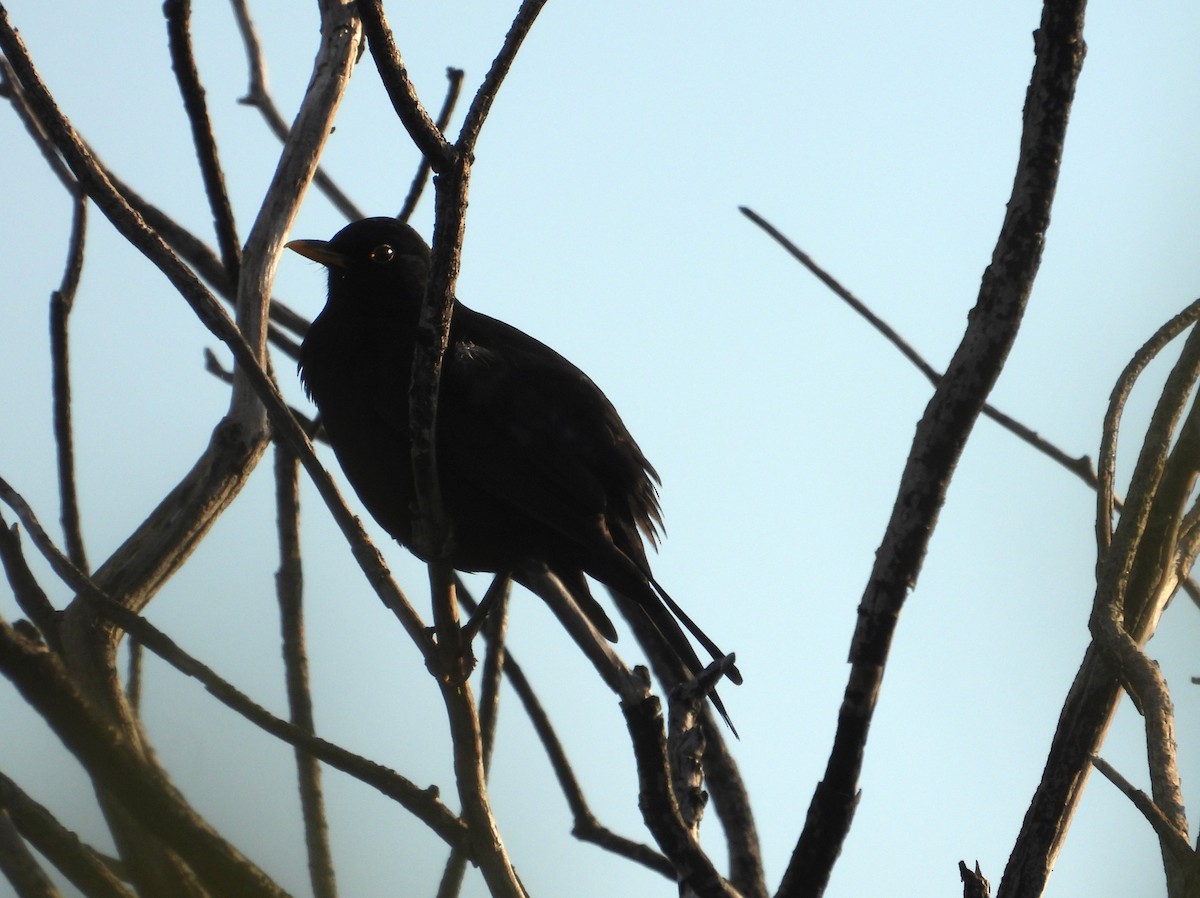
{"x":536,"y":469}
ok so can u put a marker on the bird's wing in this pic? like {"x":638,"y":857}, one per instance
{"x":512,"y":425}
{"x":521,"y":422}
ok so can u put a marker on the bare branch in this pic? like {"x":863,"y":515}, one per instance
{"x":183,"y":61}
{"x":86,"y":868}
{"x":210,"y":493}
{"x":10,"y":88}
{"x":116,"y":764}
{"x":486,"y":95}
{"x":453,"y":89}
{"x":258,"y":96}
{"x":1163,"y":423}
{"x":1137,"y":573}
{"x":466,"y":743}
{"x":289,"y":587}
{"x":941,"y":435}
{"x":30,"y":596}
{"x":1081,"y":467}
{"x":974,"y":885}
{"x":1163,"y":828}
{"x":489,"y":705}
{"x":61,"y":302}
{"x":421,"y":802}
{"x":20,"y":866}
{"x":656,"y":796}
{"x":421,"y":128}
{"x":586,"y":827}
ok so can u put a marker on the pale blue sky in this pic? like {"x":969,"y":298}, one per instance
{"x":880,"y":137}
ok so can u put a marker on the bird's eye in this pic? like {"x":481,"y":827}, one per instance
{"x":382,"y":254}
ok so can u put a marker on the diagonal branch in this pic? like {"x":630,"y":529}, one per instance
{"x":118,"y":766}
{"x":941,"y":435}
{"x":1080,"y":467}
{"x":453,"y":89}
{"x":421,"y":802}
{"x":18,"y":864}
{"x":258,"y":96}
{"x":400,"y":90}
{"x":486,"y":95}
{"x":1167,"y":832}
{"x":179,"y":14}
{"x":87,"y":870}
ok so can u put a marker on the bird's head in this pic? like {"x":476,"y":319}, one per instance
{"x":374,"y":259}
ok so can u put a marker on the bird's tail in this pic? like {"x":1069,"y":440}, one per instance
{"x":659,"y":610}
{"x":734,"y":675}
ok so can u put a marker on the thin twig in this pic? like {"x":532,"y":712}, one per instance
{"x":421,"y":178}
{"x":183,"y":61}
{"x":1120,"y":394}
{"x":30,"y":596}
{"x":259,"y":96}
{"x":489,"y":708}
{"x":465,"y":740}
{"x":1080,"y":467}
{"x":61,"y":302}
{"x":658,"y":803}
{"x":495,"y":628}
{"x":1163,"y":828}
{"x":486,"y":95}
{"x":10,"y":88}
{"x":289,"y":585}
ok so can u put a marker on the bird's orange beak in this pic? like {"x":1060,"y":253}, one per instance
{"x":318,"y":251}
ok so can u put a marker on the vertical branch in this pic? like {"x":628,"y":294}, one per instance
{"x":133,"y":676}
{"x":694,"y":871}
{"x":30,"y":596}
{"x":941,"y":435}
{"x":61,"y":302}
{"x":289,"y":586}
{"x":467,"y":744}
{"x":296,"y":168}
{"x":1137,"y":573}
{"x":489,"y":706}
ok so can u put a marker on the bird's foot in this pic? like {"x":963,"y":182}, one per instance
{"x":453,"y":663}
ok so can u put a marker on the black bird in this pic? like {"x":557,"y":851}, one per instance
{"x":537,"y":470}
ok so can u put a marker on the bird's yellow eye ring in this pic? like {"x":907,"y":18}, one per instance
{"x":382,"y":254}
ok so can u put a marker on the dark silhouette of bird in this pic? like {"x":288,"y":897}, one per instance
{"x":537,"y":471}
